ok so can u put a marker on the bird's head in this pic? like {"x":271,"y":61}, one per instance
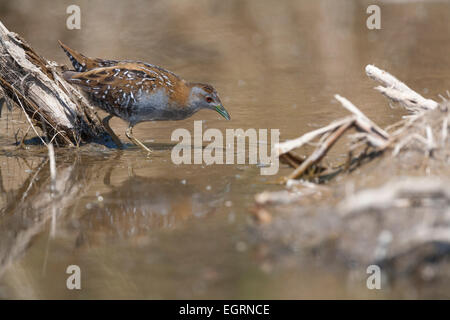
{"x":204,"y":96}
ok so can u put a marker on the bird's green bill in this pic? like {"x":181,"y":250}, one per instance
{"x":224,"y":113}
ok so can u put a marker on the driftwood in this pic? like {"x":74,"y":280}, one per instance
{"x":393,"y":212}
{"x":48,"y":101}
{"x":369,"y":135}
{"x":399,"y":92}
{"x":43,"y":198}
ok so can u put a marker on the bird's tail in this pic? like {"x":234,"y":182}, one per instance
{"x":80,"y":62}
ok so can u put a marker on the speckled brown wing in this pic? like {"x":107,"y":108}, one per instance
{"x":119,"y":87}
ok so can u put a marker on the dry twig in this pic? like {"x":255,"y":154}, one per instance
{"x":48,"y":101}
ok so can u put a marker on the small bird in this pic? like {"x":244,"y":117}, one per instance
{"x":137,"y":91}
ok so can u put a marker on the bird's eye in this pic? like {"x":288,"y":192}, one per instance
{"x":209,"y":99}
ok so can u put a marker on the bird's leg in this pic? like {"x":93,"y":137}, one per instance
{"x":129,"y":134}
{"x":115,"y":138}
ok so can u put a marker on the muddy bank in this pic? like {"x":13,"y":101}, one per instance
{"x":391,"y":209}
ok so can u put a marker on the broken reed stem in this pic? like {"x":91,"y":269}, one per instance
{"x":399,"y":92}
{"x":387,"y":196}
{"x":364,"y":122}
{"x":374,"y":135}
{"x":284,"y":147}
{"x":51,"y":156}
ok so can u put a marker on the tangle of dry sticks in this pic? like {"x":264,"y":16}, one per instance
{"x":415,"y":128}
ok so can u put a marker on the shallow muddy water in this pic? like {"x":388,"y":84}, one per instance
{"x":143,"y":227}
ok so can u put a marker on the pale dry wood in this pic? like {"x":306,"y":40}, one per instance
{"x":289,"y":145}
{"x":370,"y":134}
{"x":39,"y":90}
{"x":377,"y":136}
{"x":399,"y":92}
